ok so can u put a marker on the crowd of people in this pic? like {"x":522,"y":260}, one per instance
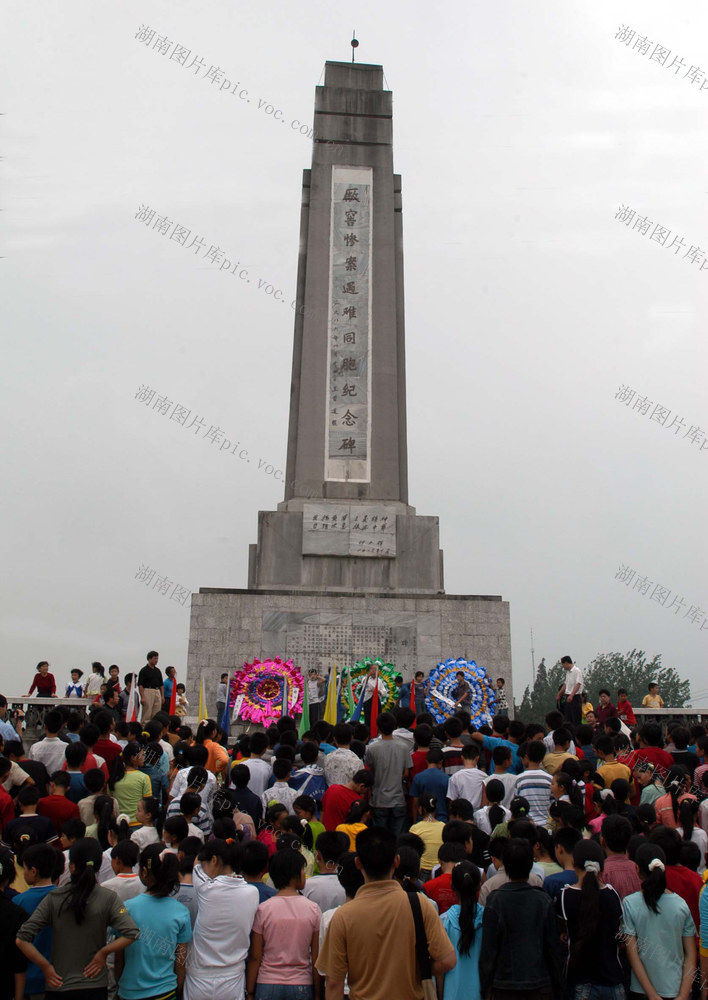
{"x":516,"y":861}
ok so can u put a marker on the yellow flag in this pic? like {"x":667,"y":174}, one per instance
{"x":330,"y":714}
{"x":202,"y":701}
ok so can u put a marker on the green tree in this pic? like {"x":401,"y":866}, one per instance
{"x":540,"y":699}
{"x":633,"y":671}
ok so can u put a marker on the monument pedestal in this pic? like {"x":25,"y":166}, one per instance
{"x":230,"y":627}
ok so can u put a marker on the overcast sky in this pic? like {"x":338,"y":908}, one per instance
{"x":519,"y":130}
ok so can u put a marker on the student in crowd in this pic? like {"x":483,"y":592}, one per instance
{"x":468,"y":783}
{"x":259,"y":768}
{"x":280,"y":791}
{"x":463,"y":924}
{"x":254,"y":865}
{"x":76,"y":688}
{"x":124,"y":862}
{"x":677,"y":784}
{"x":242,"y":796}
{"x":285,"y":938}
{"x":227,"y":907}
{"x":653,"y":699}
{"x":494,"y":812}
{"x":310,"y":778}
{"x":430,"y":830}
{"x":13,"y":964}
{"x":618,"y":871}
{"x":592,"y":913}
{"x":534,"y":783}
{"x":543,"y":852}
{"x":432,"y":782}
{"x":218,"y":758}
{"x":338,"y":799}
{"x":154,"y":966}
{"x":389,"y":761}
{"x":564,"y":841}
{"x":56,"y":806}
{"x":42,"y":865}
{"x":79,"y":915}
{"x":325,"y":888}
{"x":501,"y":757}
{"x":128,"y":785}
{"x":520,"y":946}
{"x":305,"y":808}
{"x":625,"y":712}
{"x":660,"y":932}
{"x":50,"y":750}
{"x":174,"y":830}
{"x":95,"y":785}
{"x":94,"y":681}
{"x":440,"y":889}
{"x":148,"y":813}
{"x":27,"y":801}
{"x":358,"y":818}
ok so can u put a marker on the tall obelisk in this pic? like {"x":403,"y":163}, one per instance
{"x":345,"y":568}
{"x":345,"y":523}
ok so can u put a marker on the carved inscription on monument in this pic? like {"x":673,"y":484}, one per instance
{"x":349,"y":327}
{"x":321,"y":638}
{"x":330,"y":529}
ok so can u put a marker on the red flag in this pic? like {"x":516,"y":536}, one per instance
{"x":130,"y":710}
{"x":412,"y":700}
{"x":173,"y":695}
{"x":375,"y":707}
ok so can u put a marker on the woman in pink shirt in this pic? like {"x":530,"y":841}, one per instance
{"x":285,"y":937}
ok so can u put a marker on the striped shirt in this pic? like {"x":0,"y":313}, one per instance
{"x":535,"y":786}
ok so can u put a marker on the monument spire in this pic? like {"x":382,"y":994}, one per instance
{"x":354,"y":43}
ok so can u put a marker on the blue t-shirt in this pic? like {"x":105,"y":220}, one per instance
{"x":462,"y":982}
{"x":77,"y":789}
{"x":29,"y":900}
{"x":432,"y":781}
{"x":553,"y":884}
{"x":264,"y":891}
{"x":659,"y":939}
{"x":149,"y":962}
{"x":490,"y":742}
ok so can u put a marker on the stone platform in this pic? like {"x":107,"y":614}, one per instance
{"x":230,"y":627}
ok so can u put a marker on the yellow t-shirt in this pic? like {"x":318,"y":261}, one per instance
{"x":587,"y":707}
{"x":652,"y":701}
{"x":351,"y":830}
{"x":430,"y":832}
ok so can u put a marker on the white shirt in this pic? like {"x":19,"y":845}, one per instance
{"x":261,"y":772}
{"x":279,"y":792}
{"x":508,"y":780}
{"x":467,"y":784}
{"x":227,"y":908}
{"x":481,"y":818}
{"x":179,"y":787}
{"x":93,"y":685}
{"x":572,"y":677}
{"x":144,"y":836}
{"x":125,"y":886}
{"x":369,"y":692}
{"x":50,"y":752}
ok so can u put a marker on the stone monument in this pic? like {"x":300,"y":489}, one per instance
{"x":345,"y":568}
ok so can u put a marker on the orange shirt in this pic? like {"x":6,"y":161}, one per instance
{"x":218,"y":759}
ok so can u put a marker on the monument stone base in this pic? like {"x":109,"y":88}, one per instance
{"x":230,"y":627}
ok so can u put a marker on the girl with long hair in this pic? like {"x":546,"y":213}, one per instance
{"x":92,"y":685}
{"x":149,"y":815}
{"x":103,"y":814}
{"x":688,"y":825}
{"x":127,"y":783}
{"x":79,"y":915}
{"x":463,"y":924}
{"x":430,"y":830}
{"x":357,"y":819}
{"x":226,"y":908}
{"x":218,"y":759}
{"x":593,"y":914}
{"x":494,"y":813}
{"x":285,"y":939}
{"x":661,"y":944}
{"x":154,"y":965}
{"x":677,"y":784}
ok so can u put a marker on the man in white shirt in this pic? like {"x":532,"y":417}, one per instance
{"x":260,"y":769}
{"x":341,"y":765}
{"x":314,"y":696}
{"x":50,"y":750}
{"x":572,"y":691}
{"x":373,"y":683}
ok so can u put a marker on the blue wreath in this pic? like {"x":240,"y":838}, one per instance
{"x":442,"y":681}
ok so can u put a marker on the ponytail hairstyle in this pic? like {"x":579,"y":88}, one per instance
{"x":224,"y":828}
{"x":589,"y":857}
{"x":205,"y":730}
{"x":495,"y":795}
{"x":428,"y":804}
{"x":126,"y":759}
{"x":119,"y":828}
{"x":604,"y":798}
{"x":8,"y":872}
{"x":216,"y":849}
{"x":675,"y":784}
{"x":86,"y":857}
{"x":688,"y":810}
{"x":358,"y":811}
{"x":651,"y":861}
{"x":301,"y":829}
{"x":466,"y":882}
{"x":103,"y":806}
{"x":408,"y":870}
{"x":152,"y":807}
{"x":163,"y":868}
{"x":570,"y":787}
{"x":306,"y":803}
{"x":519,"y":807}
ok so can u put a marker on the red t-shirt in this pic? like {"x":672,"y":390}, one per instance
{"x":45,"y":686}
{"x":653,"y":755}
{"x":687,"y":884}
{"x":420,"y":762}
{"x":336,"y":803}
{"x":440,"y":889}
{"x":107,"y":749}
{"x":7,"y":808}
{"x":58,"y":809}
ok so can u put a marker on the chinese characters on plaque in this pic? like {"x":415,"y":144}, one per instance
{"x":330,"y":529}
{"x":348,"y":412}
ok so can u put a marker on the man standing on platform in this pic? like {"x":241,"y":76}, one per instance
{"x":572,"y":691}
{"x":418,"y":694}
{"x":462,"y":693}
{"x":150,"y":686}
{"x":314,"y":698}
{"x":373,"y":683}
